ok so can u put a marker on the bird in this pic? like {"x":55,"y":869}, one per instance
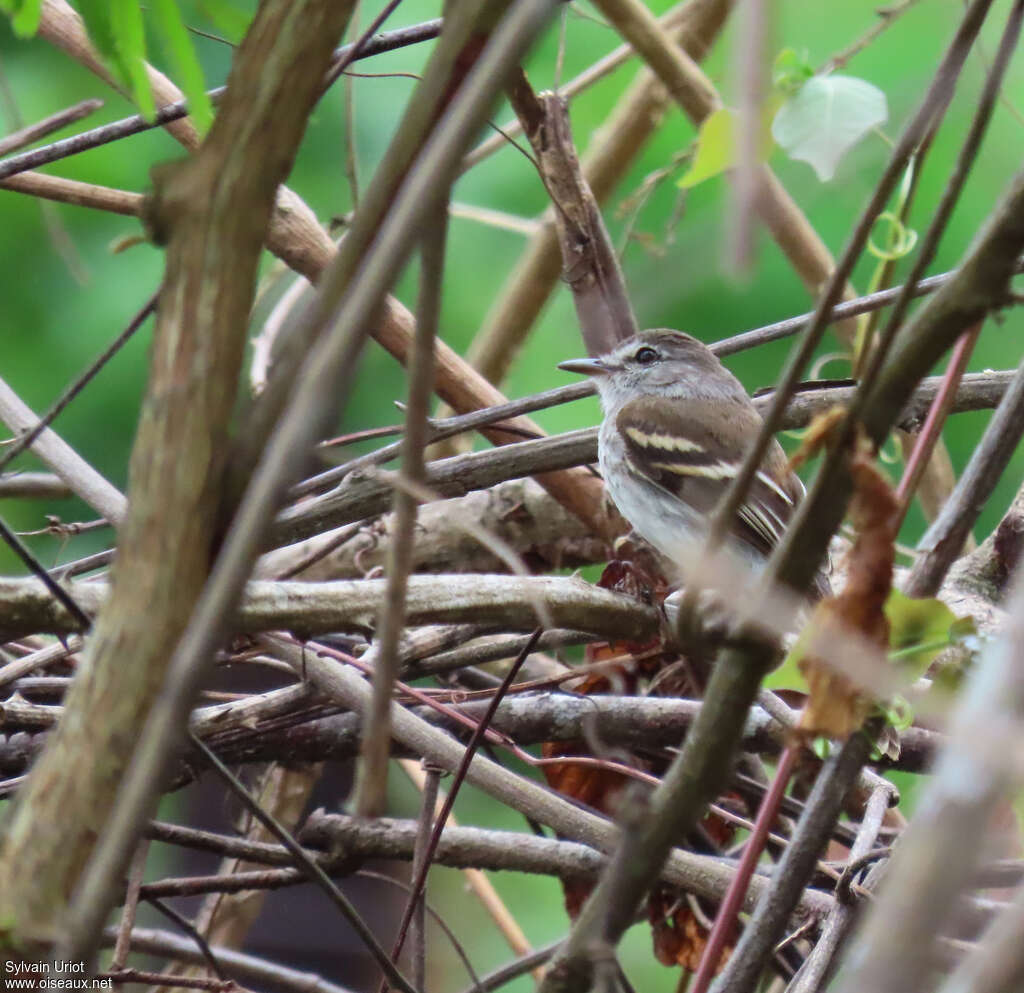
{"x":676,"y":427}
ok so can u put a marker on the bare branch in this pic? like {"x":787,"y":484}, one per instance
{"x":371,"y":784}
{"x":361,"y":496}
{"x":353,"y":605}
{"x":33,"y":486}
{"x":590,"y":265}
{"x":358,"y":303}
{"x":80,"y":477}
{"x":703,"y":875}
{"x":837,"y":925}
{"x":72,"y":191}
{"x":943,"y":541}
{"x":246,"y":968}
{"x":197,"y":352}
{"x":604,"y":164}
{"x":970,"y":779}
{"x":34,"y":132}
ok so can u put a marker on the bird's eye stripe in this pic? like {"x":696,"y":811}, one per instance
{"x":665,"y":442}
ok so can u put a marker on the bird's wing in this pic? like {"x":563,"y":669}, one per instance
{"x":672,"y":445}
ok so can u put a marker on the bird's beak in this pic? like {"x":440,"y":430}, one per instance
{"x":586,"y":367}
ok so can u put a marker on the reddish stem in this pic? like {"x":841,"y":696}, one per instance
{"x":937,"y":414}
{"x":725,"y":920}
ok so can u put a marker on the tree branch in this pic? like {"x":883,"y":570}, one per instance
{"x":215,"y":208}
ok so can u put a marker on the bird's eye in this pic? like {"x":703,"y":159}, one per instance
{"x":645,"y":355}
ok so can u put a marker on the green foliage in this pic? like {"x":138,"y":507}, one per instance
{"x":230,"y":20}
{"x":790,"y":71}
{"x":716,"y":147}
{"x":815,"y":119}
{"x":189,"y":71}
{"x":900,"y":240}
{"x":24,"y":15}
{"x":117,"y":29}
{"x":920,"y":629}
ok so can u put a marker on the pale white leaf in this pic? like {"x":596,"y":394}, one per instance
{"x":826,"y":117}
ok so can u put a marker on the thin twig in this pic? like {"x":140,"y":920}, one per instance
{"x":887,"y":17}
{"x":351,"y":147}
{"x":930,"y":433}
{"x":420,"y":877}
{"x":944,"y":540}
{"x":310,"y":866}
{"x":841,"y":311}
{"x":446,"y":428}
{"x":136,"y":124}
{"x":248,"y":968}
{"x":81,"y":618}
{"x":326,"y":373}
{"x":80,"y":476}
{"x":131,"y":905}
{"x":418,"y":924}
{"x":837,"y":925}
{"x":476,"y":879}
{"x":725,"y":918}
{"x":201,"y":944}
{"x":371,"y":787}
{"x":29,"y":437}
{"x":435,"y":916}
{"x":512,"y":129}
{"x":795,"y":867}
{"x":343,"y":59}
{"x":530,"y":962}
{"x":34,"y":132}
{"x":167,"y":980}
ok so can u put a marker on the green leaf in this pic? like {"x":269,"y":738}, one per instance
{"x":130,"y":47}
{"x":716,"y":147}
{"x":921,"y":629}
{"x":24,"y":15}
{"x":115,"y":27}
{"x":790,"y":71}
{"x":788,"y":675}
{"x":228,"y":19}
{"x":827,"y":117}
{"x":190,"y":74}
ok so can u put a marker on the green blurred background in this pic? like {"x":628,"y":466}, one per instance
{"x":55,"y":316}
